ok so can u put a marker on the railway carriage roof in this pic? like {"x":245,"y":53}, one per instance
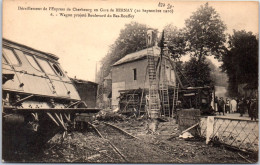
{"x":82,"y":81}
{"x":32,"y":49}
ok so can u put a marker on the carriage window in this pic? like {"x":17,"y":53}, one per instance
{"x":57,"y":69}
{"x":46,"y":66}
{"x":32,"y":61}
{"x":11,"y":56}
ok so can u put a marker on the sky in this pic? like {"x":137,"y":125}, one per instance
{"x":81,"y":43}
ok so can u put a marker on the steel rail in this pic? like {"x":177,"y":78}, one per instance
{"x":111,"y":144}
{"x":121,"y":130}
{"x":127,"y":134}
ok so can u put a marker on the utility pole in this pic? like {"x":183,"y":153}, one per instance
{"x":96,"y":73}
{"x":100,"y":90}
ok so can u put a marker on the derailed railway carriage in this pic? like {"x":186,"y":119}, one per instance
{"x":38,"y":98}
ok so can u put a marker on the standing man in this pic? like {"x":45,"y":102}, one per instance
{"x":233,"y":105}
{"x":254,"y":109}
{"x":227,"y":106}
{"x":216,"y":103}
{"x":248,"y":103}
{"x":242,"y":106}
{"x":238,"y":103}
{"x":221,"y":106}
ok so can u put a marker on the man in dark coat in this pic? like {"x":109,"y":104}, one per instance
{"x":221,"y":105}
{"x":254,"y":109}
{"x":242,"y":106}
{"x":248,"y":103}
{"x":227,"y":106}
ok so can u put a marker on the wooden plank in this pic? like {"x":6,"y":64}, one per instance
{"x":244,"y":158}
{"x":190,"y":128}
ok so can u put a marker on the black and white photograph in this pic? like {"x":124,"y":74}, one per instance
{"x":133,"y":81}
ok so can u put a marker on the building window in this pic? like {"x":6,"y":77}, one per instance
{"x":135,"y":74}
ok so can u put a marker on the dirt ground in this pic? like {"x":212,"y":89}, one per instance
{"x":86,"y":146}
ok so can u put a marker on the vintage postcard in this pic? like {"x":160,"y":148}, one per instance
{"x":132,"y":81}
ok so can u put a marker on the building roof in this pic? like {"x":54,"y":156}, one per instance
{"x":136,"y":56}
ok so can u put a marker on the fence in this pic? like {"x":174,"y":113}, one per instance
{"x":188,"y":117}
{"x":239,"y":133}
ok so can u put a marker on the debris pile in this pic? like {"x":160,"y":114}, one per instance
{"x":164,"y":147}
{"x":77,"y":147}
{"x":106,"y":115}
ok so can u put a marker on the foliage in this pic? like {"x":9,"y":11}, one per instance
{"x":197,"y":72}
{"x":175,"y":40}
{"x":205,"y":33}
{"x":131,"y":39}
{"x":241,"y":59}
{"x":218,"y":77}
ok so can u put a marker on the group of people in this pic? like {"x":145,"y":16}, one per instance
{"x":234,"y":105}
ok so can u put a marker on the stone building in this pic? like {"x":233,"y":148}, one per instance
{"x":130,"y":73}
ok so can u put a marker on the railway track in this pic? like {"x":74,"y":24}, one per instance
{"x":127,"y":146}
{"x":105,"y":133}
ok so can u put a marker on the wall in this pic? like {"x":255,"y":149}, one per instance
{"x":116,"y":86}
{"x":125,"y":73}
{"x":123,"y":77}
{"x":87,"y":92}
{"x":168,"y":73}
